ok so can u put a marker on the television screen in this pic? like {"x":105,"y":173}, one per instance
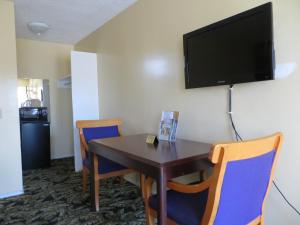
{"x":238,"y":49}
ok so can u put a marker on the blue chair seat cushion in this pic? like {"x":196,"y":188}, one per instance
{"x":105,"y":165}
{"x":184,"y":209}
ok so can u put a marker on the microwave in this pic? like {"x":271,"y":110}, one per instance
{"x":33,"y":114}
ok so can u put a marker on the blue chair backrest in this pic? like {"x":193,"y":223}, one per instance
{"x":243,"y":190}
{"x":92,"y":133}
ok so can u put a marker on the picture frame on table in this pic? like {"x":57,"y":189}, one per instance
{"x":168,"y":126}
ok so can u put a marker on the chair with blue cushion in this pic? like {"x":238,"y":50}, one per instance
{"x":234,"y":194}
{"x":98,"y":129}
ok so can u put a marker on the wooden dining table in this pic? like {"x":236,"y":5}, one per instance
{"x":163,"y":161}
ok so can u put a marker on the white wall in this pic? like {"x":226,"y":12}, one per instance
{"x":45,"y":60}
{"x":10,"y":151}
{"x":85,"y":95}
{"x":141,"y":73}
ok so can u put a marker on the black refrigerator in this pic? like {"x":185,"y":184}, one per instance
{"x":35,"y":137}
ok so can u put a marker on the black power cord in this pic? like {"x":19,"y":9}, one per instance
{"x":287,"y":201}
{"x":238,"y":138}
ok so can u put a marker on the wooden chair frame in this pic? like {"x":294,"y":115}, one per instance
{"x":81,"y":124}
{"x":220,"y":155}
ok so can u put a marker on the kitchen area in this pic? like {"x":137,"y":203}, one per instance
{"x":34,"y":108}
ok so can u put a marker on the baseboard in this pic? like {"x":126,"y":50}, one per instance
{"x":62,"y":157}
{"x":11,"y":194}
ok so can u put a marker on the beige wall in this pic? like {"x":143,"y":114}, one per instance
{"x":10,"y":151}
{"x":141,"y":74}
{"x":44,"y":60}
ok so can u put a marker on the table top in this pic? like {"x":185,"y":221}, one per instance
{"x":163,"y":154}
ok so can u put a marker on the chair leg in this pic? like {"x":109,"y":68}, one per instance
{"x":84,"y":179}
{"x":96,"y":181}
{"x":150,"y":218}
{"x":142,"y":185}
{"x":96,"y":196}
{"x":147,"y":193}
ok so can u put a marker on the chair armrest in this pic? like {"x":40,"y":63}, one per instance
{"x":189,"y":188}
{"x":83,"y":142}
{"x":83,"y":146}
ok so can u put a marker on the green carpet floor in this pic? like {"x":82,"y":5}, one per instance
{"x":54,"y":196}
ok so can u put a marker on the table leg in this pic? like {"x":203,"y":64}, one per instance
{"x":162,"y":198}
{"x":94,"y":182}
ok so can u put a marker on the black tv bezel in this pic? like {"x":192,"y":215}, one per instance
{"x":266,"y":8}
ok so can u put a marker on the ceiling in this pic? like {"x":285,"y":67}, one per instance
{"x":69,"y":20}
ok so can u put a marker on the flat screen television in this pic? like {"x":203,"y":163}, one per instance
{"x":238,"y":49}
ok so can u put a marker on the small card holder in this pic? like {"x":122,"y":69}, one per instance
{"x":152,"y":139}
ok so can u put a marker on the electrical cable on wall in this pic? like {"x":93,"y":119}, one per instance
{"x":239,"y":138}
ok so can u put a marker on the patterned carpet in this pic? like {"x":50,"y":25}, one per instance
{"x":53,"y":196}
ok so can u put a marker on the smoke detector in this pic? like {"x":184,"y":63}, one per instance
{"x":38,"y":28}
